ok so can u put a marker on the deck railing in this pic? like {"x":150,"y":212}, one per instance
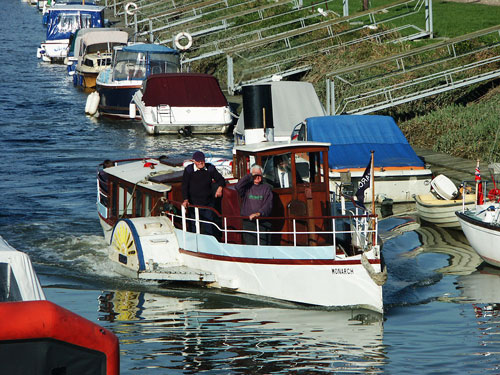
{"x":362,"y":230}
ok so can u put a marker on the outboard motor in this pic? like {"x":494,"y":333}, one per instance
{"x":258,"y":113}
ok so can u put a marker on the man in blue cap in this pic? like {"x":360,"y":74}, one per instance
{"x":199,"y":181}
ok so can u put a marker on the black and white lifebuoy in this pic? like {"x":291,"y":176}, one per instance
{"x":179,"y":37}
{"x":129,"y":11}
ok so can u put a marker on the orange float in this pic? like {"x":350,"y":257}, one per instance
{"x":40,"y":337}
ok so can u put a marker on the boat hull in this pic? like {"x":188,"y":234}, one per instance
{"x":484,"y":237}
{"x":114,"y":100}
{"x":189,"y":119}
{"x":399,"y":185}
{"x":150,"y":248}
{"x":442,"y":212}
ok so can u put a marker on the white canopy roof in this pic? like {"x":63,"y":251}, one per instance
{"x":293,"y":102}
{"x":18,"y":280}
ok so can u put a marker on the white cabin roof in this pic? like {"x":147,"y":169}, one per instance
{"x":136,"y":173}
{"x":267,"y":146}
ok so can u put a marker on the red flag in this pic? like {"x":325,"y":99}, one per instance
{"x":479,"y":186}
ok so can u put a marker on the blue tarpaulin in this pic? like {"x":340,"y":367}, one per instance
{"x":150,"y":48}
{"x":62,"y":23}
{"x":352,"y":137}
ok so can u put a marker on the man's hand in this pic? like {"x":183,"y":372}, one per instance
{"x":218,"y":193}
{"x":254,"y":215}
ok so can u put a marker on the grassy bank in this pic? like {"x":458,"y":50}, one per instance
{"x":469,"y":131}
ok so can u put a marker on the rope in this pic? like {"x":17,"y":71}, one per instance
{"x":378,"y":277}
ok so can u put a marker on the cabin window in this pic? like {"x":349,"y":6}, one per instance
{"x":277,"y":170}
{"x":86,"y":20}
{"x":138,"y":203}
{"x":125,"y":201}
{"x":318,"y":174}
{"x":67,"y":22}
{"x":147,"y":205}
{"x":114,"y":195}
{"x":242,"y":166}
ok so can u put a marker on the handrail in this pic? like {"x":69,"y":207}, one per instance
{"x":361,"y":226}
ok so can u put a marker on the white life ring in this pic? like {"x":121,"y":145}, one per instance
{"x":130,"y":5}
{"x":180,"y":36}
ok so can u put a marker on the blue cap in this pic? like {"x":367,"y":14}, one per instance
{"x":199,"y":156}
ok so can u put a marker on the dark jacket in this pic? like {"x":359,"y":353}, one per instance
{"x":199,"y":187}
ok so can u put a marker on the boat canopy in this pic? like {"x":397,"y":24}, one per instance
{"x":183,"y":90}
{"x":63,"y":21}
{"x":149,"y":48}
{"x":18,"y":280}
{"x":105,"y":35}
{"x":292,"y":103}
{"x":354,"y":136}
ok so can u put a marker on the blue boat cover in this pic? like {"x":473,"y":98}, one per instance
{"x":62,"y":23}
{"x":150,"y":48}
{"x":352,"y":137}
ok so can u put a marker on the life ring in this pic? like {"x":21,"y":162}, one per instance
{"x":128,"y":6}
{"x":180,"y":36}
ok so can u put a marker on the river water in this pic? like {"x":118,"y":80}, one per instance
{"x":440,"y":315}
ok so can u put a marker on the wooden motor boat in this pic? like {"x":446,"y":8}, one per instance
{"x":319,"y":251}
{"x":439,"y":206}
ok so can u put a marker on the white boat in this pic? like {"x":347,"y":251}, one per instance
{"x":94,"y":54}
{"x":131,"y":65}
{"x":185,"y":103}
{"x":293,"y":110}
{"x":62,"y":22}
{"x":481,"y":225}
{"x":18,"y":280}
{"x":439,"y":206}
{"x":321,"y":252}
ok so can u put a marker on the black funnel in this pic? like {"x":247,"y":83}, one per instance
{"x":255,"y":98}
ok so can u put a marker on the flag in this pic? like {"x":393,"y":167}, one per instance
{"x":364,"y":183}
{"x":479,"y":185}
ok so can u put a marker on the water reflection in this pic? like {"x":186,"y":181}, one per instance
{"x":182,"y":334}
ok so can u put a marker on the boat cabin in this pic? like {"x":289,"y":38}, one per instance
{"x":138,"y":61}
{"x":64,"y":20}
{"x":301,"y":207}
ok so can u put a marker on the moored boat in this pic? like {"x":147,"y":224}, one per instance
{"x":186,"y":103}
{"x":131,"y":65}
{"x":439,"y":206}
{"x":18,"y":279}
{"x":295,"y":112}
{"x":62,"y":22}
{"x":481,"y":225}
{"x":94,"y":54}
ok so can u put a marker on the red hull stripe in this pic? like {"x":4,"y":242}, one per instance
{"x":310,"y":262}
